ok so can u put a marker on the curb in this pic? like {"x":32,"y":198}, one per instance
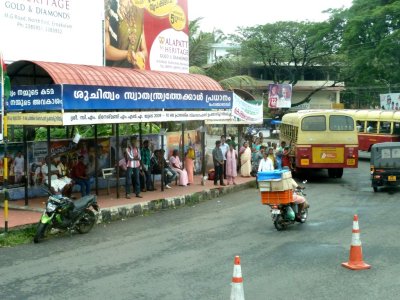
{"x":107,"y":215}
{"x":115,"y":213}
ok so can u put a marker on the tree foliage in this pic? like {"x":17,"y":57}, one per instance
{"x":371,"y":41}
{"x":285,"y":49}
{"x":200,"y":43}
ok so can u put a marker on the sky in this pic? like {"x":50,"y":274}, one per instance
{"x":229,"y":14}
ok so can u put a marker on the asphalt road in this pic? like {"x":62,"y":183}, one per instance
{"x":188,"y":253}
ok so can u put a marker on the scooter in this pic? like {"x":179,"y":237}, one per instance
{"x":284,"y":215}
{"x":64,"y":214}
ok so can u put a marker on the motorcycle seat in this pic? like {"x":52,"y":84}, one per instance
{"x":83,"y":202}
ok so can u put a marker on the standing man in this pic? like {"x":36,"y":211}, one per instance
{"x":145,"y":154}
{"x":218,"y":160}
{"x":19,"y":167}
{"x":224,"y":148}
{"x":133,"y":165}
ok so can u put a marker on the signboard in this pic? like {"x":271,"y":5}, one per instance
{"x":279,"y":95}
{"x":141,"y":116}
{"x":243,"y":112}
{"x":35,"y":119}
{"x":390,"y":101}
{"x":75,"y":97}
{"x":151,"y":35}
{"x":35,"y":98}
{"x":67,"y":31}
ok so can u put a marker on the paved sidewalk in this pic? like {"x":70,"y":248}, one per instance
{"x":114,"y":209}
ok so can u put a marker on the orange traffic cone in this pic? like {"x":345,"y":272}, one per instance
{"x":356,"y":258}
{"x":237,"y":292}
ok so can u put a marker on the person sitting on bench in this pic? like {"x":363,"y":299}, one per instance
{"x":59,"y":184}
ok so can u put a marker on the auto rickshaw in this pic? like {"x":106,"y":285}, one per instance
{"x":385,"y":165}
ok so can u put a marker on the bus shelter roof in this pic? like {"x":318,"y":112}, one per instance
{"x":37,"y":72}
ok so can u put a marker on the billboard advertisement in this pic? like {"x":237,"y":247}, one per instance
{"x":280,"y":95}
{"x":390,"y":101}
{"x":147,"y":34}
{"x":66,"y":31}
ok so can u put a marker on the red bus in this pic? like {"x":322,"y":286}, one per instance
{"x":376,"y":126}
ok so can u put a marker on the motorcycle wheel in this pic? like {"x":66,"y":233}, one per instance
{"x":279,"y":223}
{"x":40,"y":232}
{"x":304,"y":215}
{"x":87,"y":221}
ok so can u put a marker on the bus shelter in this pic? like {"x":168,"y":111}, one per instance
{"x":58,"y":94}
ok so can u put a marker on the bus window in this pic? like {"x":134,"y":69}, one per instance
{"x":372,"y":127}
{"x":384,"y":127}
{"x":396,"y":128}
{"x":314,"y":123}
{"x":360,"y":126}
{"x":341,"y":123}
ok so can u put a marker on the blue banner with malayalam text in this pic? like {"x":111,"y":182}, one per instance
{"x":76,"y":97}
{"x":85,"y":98}
{"x":35,"y":98}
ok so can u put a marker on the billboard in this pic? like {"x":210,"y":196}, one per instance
{"x":66,"y":31}
{"x":280,"y":95}
{"x":390,"y":101}
{"x":147,"y":34}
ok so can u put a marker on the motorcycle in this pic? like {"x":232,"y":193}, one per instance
{"x":64,"y":214}
{"x":284,"y":215}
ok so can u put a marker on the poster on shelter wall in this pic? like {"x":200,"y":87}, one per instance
{"x":86,"y":147}
{"x":66,"y":31}
{"x":151,"y":35}
{"x":390,"y":101}
{"x":280,"y":95}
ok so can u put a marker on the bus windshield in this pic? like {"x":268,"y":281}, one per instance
{"x":341,"y":123}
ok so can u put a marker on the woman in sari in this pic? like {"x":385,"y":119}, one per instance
{"x":176,"y":165}
{"x":245,"y":160}
{"x":231,"y":164}
{"x":189,"y":164}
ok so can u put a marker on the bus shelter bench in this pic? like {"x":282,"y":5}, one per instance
{"x":154,"y":173}
{"x":109,"y":174}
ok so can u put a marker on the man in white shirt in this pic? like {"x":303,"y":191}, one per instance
{"x":18,"y":167}
{"x":224,"y":148}
{"x":266,"y":164}
{"x":58,"y":185}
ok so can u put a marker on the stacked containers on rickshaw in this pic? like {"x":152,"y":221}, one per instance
{"x":275,"y":187}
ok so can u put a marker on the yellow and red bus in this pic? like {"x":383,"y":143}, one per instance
{"x":376,"y":126}
{"x":321,"y":139}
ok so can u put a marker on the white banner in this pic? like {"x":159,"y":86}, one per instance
{"x":243,"y":112}
{"x":67,"y":31}
{"x":88,"y":118}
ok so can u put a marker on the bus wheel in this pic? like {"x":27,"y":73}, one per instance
{"x":339,"y":173}
{"x":331,"y":173}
